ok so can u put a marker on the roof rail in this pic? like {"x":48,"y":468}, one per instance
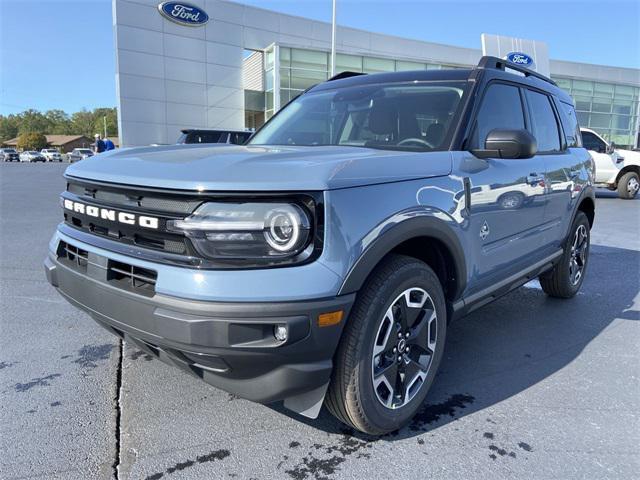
{"x":342,"y":75}
{"x":496,"y":63}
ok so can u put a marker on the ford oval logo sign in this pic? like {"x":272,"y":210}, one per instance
{"x":184,"y":13}
{"x":521,"y":59}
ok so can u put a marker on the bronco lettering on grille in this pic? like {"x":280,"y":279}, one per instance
{"x":111,"y":215}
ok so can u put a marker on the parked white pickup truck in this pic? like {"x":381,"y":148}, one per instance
{"x":616,"y":169}
{"x":51,"y":154}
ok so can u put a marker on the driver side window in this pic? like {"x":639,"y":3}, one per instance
{"x":591,"y":142}
{"x":501,"y":108}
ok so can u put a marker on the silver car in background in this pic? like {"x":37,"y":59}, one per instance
{"x":32,"y":156}
{"x":9,"y":155}
{"x":78,"y":154}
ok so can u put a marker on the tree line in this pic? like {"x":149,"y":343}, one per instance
{"x":58,"y":122}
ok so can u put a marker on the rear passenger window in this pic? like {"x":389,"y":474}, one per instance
{"x":501,"y":108}
{"x":570,"y":125}
{"x":543,"y":122}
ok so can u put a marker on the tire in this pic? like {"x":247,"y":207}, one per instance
{"x":511,"y":201}
{"x":373,"y":326}
{"x":628,"y":185}
{"x":566,"y":278}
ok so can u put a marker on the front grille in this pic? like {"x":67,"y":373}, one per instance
{"x":132,"y":221}
{"x":135,"y":202}
{"x":77,"y":258}
{"x":127,"y":199}
{"x":130,"y":277}
{"x":119,"y":274}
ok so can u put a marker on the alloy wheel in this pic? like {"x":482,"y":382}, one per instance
{"x":404,"y":347}
{"x":578,"y":258}
{"x":633,"y":186}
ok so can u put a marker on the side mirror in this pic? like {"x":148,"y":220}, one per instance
{"x":504,"y":143}
{"x":610,"y":148}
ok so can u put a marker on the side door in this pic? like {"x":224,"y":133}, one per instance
{"x":605,"y":161}
{"x":562,"y":169}
{"x":507,"y":196}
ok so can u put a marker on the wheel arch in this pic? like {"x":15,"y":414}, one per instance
{"x":427,"y":238}
{"x":588,"y":206}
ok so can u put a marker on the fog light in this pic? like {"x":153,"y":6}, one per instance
{"x":280,"y":332}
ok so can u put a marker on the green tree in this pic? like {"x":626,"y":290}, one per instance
{"x":32,"y":141}
{"x":9,"y":127}
{"x":111,"y":120}
{"x":83,"y":123}
{"x":33,"y":121}
{"x":59,"y":122}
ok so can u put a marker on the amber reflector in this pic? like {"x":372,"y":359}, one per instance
{"x":331,"y":318}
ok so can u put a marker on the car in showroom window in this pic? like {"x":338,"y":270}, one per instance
{"x":413,"y":117}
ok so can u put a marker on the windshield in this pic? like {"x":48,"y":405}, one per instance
{"x":415,"y":116}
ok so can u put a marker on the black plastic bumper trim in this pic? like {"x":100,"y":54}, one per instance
{"x":227,"y":344}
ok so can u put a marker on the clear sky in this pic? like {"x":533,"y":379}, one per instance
{"x":59,"y":53}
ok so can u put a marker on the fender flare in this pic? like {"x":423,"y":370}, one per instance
{"x":421,"y":225}
{"x":587,"y":192}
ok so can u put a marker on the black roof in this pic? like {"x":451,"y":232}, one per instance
{"x":395,"y":77}
{"x":489,"y":66}
{"x":212,"y":130}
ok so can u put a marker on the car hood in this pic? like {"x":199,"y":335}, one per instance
{"x":258,"y":168}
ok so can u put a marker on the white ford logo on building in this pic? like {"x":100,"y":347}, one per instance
{"x":183,"y":13}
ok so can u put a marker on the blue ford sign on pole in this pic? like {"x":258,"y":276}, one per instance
{"x":183,"y":13}
{"x":519,"y":58}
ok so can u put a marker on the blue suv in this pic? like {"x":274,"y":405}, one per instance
{"x":322,"y":262}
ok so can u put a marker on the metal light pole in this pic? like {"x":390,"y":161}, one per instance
{"x":333,"y":40}
{"x":104,"y":119}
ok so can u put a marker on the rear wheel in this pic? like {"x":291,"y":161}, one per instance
{"x":391,"y":347}
{"x":628,"y":185}
{"x":567,"y":276}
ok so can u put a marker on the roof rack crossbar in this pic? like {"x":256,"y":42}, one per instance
{"x":496,"y":63}
{"x":342,"y":75}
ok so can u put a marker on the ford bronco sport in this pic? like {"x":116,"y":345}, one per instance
{"x":322,"y":262}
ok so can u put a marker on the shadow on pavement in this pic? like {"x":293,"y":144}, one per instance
{"x":604,"y":193}
{"x":516,"y":342}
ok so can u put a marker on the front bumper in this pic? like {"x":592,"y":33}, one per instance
{"x":227,"y":344}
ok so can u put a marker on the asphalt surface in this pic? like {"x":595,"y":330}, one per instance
{"x":530,"y":387}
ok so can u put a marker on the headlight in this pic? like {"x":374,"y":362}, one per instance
{"x":252,"y":230}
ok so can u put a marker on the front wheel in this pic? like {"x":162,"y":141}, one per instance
{"x":629,"y":185}
{"x":391,"y":347}
{"x":567,"y":276}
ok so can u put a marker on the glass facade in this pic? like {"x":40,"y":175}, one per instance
{"x":301,"y":69}
{"x":612,"y":110}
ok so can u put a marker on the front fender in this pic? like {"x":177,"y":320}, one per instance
{"x":399,"y":228}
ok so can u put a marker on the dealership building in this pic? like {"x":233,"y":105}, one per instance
{"x":218,"y":64}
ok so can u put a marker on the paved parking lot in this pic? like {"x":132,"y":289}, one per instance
{"x":530,"y":387}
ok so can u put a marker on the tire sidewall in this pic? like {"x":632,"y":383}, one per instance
{"x":624,"y":191}
{"x":580,"y":219}
{"x":415,"y":275}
